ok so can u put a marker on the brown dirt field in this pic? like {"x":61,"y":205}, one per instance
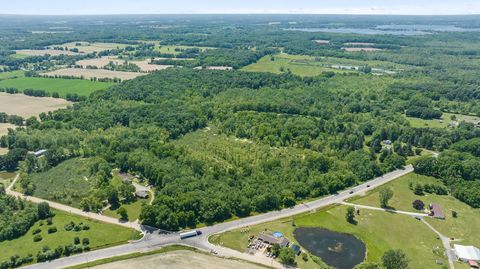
{"x":98,"y":73}
{"x":45,"y":52}
{"x":144,"y":65}
{"x":361,"y":49}
{"x":4,"y":128}
{"x":182,"y":259}
{"x":358,"y":44}
{"x":27,"y":106}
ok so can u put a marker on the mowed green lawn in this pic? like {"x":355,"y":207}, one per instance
{"x":464,"y":228}
{"x":380,"y":231}
{"x":444,"y":122}
{"x":11,"y":74}
{"x":62,"y":86}
{"x":99,"y":234}
{"x":133,"y":210}
{"x":297,"y":64}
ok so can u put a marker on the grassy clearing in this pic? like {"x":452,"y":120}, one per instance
{"x":444,"y":122}
{"x":133,"y":210}
{"x":169,"y":49}
{"x":64,"y":183}
{"x":11,"y":74}
{"x":464,"y":227}
{"x":62,"y":86}
{"x":297,"y":64}
{"x":87,"y":74}
{"x":100,"y":235}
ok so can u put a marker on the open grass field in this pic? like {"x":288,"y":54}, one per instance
{"x":297,"y":64}
{"x":94,"y":73}
{"x":444,"y":122}
{"x":100,"y":235}
{"x":4,"y":128}
{"x":11,"y":74}
{"x":62,"y":86}
{"x":87,"y":47}
{"x":26,"y":53}
{"x":133,"y":210}
{"x":463,"y":228}
{"x":66,"y":183}
{"x":180,"y":259}
{"x":27,"y":106}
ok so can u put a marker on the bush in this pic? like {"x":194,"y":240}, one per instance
{"x":418,"y":205}
{"x":454,"y":214}
{"x":69,"y":226}
{"x":49,"y":221}
{"x":85,"y":241}
{"x":52,"y":230}
{"x":76,"y":240}
{"x":36,"y":231}
{"x":37,"y":238}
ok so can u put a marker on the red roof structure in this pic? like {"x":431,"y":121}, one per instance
{"x":473,"y":264}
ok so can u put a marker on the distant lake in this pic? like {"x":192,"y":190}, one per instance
{"x":427,"y":27}
{"x":362,"y":31}
{"x":342,"y":251}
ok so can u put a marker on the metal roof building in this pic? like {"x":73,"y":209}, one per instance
{"x":467,"y":253}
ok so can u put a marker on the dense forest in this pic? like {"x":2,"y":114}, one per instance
{"x":220,"y":144}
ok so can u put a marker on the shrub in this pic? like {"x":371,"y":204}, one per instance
{"x":85,"y":241}
{"x":36,"y":231}
{"x":52,"y":230}
{"x":69,"y":226}
{"x":49,"y":221}
{"x":418,"y":205}
{"x":37,"y":238}
{"x":76,"y":240}
{"x":454,"y":214}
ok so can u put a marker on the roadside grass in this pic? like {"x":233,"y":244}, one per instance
{"x":297,"y":64}
{"x":444,"y":122}
{"x":132,"y":256}
{"x":133,"y":210}
{"x":463,"y":228}
{"x":64,"y":183}
{"x":100,"y":235}
{"x":11,"y":74}
{"x":59,"y":85}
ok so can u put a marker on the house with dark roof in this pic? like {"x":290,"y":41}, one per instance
{"x":270,"y":239}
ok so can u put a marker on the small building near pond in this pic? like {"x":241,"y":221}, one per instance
{"x":270,"y":239}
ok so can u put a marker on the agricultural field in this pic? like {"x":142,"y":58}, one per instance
{"x":170,"y":49}
{"x":144,"y":65}
{"x":366,"y":49}
{"x":27,"y":106}
{"x":26,"y":53}
{"x":87,"y":47}
{"x":180,"y":259}
{"x":299,"y":65}
{"x":100,"y":235}
{"x":4,"y":128}
{"x":59,"y":85}
{"x":67,"y":183}
{"x":94,"y":73}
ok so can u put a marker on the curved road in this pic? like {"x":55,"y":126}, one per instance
{"x":156,"y":239}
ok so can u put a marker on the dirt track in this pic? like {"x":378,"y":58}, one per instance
{"x":27,"y":106}
{"x":182,"y":259}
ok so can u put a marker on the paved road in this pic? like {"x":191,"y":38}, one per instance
{"x":72,"y":210}
{"x":156,"y":240}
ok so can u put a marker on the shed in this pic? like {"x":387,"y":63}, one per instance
{"x":437,"y":211}
{"x":467,"y":253}
{"x":296,"y":249}
{"x":142,"y":194}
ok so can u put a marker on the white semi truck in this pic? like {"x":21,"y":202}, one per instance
{"x":189,"y":234}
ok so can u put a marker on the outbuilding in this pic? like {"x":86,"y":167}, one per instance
{"x":39,"y":153}
{"x":142,"y":194}
{"x":467,"y":253}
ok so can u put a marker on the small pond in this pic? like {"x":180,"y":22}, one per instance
{"x":339,"y":250}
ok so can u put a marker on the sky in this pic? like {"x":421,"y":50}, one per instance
{"x":93,"y":7}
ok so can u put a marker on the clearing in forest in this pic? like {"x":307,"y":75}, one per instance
{"x":87,"y":47}
{"x":51,"y":52}
{"x":144,"y":65}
